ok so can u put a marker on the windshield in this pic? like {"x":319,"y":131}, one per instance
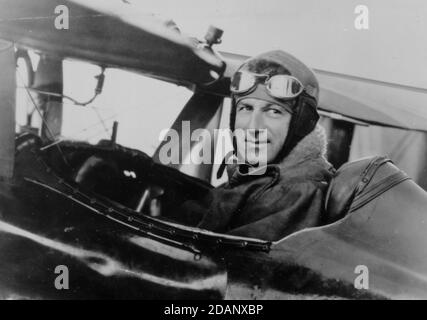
{"x":142,"y":106}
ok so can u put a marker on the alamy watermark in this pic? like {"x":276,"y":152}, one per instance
{"x":62,"y":20}
{"x":362,"y":279}
{"x":362,"y":19}
{"x":198,"y":146}
{"x":62,"y":281}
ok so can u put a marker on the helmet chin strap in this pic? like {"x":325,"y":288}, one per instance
{"x":225,"y":162}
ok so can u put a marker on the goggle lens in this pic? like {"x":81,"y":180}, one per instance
{"x":284,"y":87}
{"x":242,"y":82}
{"x":279,"y":86}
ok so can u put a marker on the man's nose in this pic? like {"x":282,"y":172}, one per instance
{"x":256,"y":121}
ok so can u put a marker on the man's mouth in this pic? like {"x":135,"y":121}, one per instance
{"x":257,"y":141}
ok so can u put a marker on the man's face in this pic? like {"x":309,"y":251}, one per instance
{"x":265,"y":125}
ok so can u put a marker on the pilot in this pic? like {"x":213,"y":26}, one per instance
{"x":274,"y":101}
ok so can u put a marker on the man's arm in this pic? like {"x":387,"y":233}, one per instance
{"x":280,"y":211}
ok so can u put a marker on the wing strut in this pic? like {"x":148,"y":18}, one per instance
{"x":7,"y":108}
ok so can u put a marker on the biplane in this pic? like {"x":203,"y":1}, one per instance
{"x":83,"y":205}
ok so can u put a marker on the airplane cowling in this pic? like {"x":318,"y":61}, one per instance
{"x":41,"y":228}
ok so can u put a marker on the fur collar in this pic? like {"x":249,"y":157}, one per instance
{"x":312,"y":146}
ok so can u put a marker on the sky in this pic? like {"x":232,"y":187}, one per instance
{"x":321,"y":33}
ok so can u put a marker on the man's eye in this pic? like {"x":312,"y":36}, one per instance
{"x":274,"y":111}
{"x":244,"y":108}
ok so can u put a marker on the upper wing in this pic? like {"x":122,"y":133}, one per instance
{"x":107,"y":33}
{"x":370,"y":101}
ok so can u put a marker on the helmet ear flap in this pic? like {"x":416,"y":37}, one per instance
{"x":306,"y":116}
{"x":303,"y":122}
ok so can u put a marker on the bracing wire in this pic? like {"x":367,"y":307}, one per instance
{"x":43,"y":120}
